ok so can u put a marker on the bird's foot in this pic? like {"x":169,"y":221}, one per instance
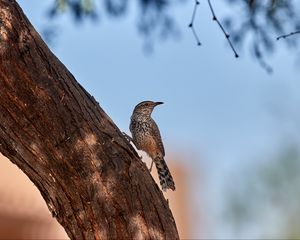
{"x":128,"y":138}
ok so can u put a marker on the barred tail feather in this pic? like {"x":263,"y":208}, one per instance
{"x":165,"y":177}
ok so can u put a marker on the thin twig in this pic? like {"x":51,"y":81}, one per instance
{"x":222,"y":28}
{"x":191,"y":25}
{"x":265,"y":66}
{"x":259,"y":56}
{"x":288,"y":35}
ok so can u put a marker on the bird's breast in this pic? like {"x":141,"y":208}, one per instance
{"x":143,"y":138}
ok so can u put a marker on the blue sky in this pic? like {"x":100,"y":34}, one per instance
{"x":227,"y":112}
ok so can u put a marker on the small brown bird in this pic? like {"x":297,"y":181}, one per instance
{"x":146,"y":137}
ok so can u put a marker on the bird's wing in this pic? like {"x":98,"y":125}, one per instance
{"x":157,"y":137}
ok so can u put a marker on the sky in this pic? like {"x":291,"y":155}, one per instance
{"x":226,"y":113}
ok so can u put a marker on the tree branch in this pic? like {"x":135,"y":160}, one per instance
{"x":91,"y":178}
{"x":288,"y":35}
{"x":191,"y":25}
{"x":222,"y":28}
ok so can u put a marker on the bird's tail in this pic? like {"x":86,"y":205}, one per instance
{"x":165,"y":177}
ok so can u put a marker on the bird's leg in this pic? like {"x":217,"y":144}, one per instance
{"x":151,"y":165}
{"x":129,"y":139}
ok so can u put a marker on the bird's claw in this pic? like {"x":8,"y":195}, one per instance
{"x":128,"y":138}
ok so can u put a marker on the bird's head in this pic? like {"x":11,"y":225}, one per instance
{"x":146,"y":107}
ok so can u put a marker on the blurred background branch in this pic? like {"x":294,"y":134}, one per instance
{"x":250,"y":24}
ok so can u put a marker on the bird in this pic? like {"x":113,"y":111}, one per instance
{"x":146,"y":136}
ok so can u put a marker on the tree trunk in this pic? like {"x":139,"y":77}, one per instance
{"x":90,"y":177}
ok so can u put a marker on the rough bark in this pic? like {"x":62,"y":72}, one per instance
{"x":90,"y":177}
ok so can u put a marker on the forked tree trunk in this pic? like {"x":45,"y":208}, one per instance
{"x":90,"y":177}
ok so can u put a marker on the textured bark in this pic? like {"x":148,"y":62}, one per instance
{"x":90,"y":177}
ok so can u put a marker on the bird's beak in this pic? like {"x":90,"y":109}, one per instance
{"x":158,"y":103}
